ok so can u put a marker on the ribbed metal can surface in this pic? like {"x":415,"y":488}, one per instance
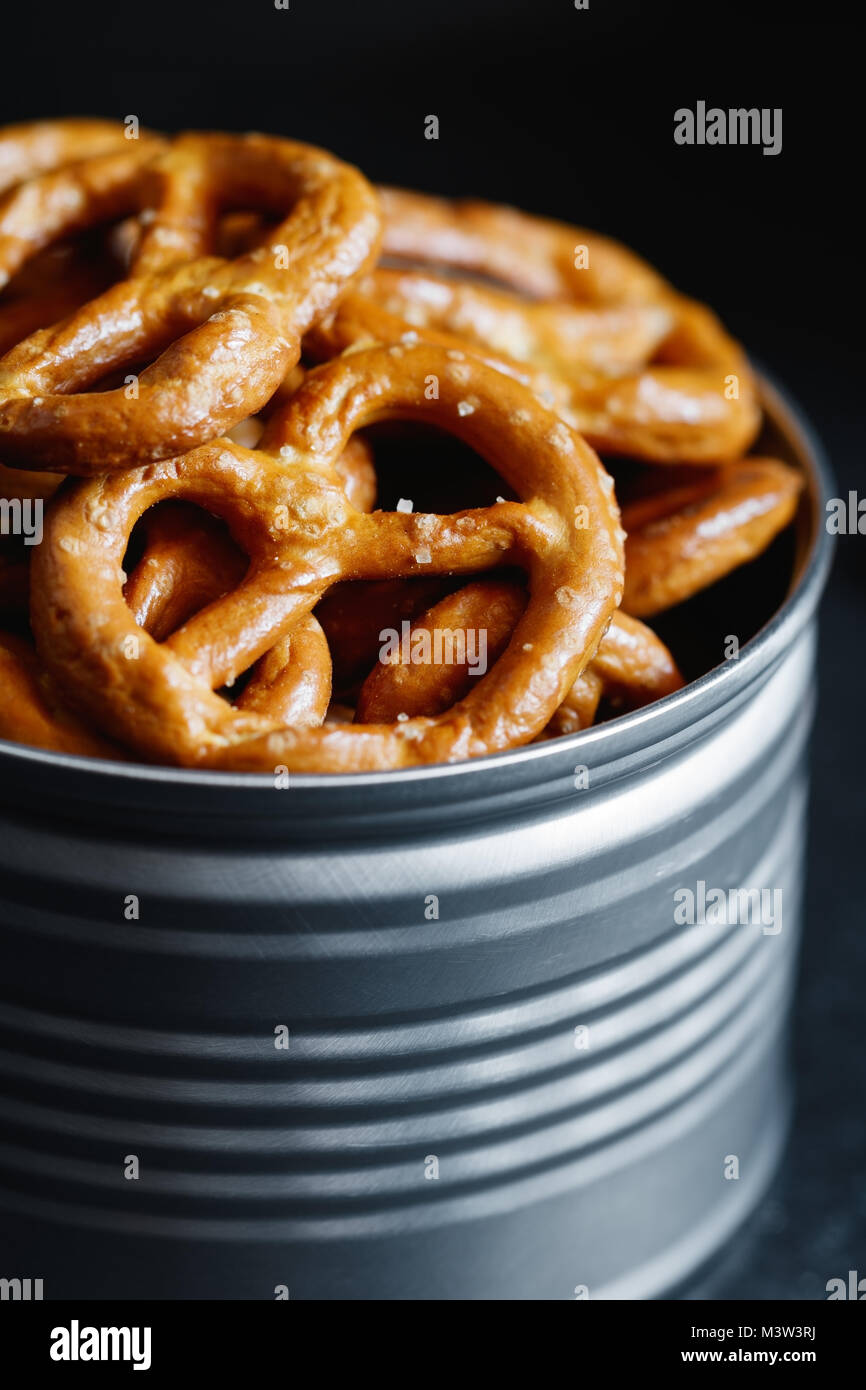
{"x":503,"y":1030}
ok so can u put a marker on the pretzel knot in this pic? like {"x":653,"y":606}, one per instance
{"x":285,"y":505}
{"x":224,"y":333}
{"x":638,"y":369}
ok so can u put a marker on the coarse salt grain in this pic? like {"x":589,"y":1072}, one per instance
{"x":567,"y":597}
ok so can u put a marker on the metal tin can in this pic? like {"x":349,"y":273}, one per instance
{"x":442,"y":1033}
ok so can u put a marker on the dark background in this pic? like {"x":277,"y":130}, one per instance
{"x":570,"y":113}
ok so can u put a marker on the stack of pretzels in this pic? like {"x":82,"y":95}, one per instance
{"x":198,"y":337}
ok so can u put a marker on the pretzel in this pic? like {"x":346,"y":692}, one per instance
{"x":533,"y":254}
{"x":59,"y":279}
{"x":240,"y":322}
{"x":302,"y":534}
{"x":189,"y":562}
{"x":35,"y":147}
{"x":632,"y":666}
{"x":692,"y":401}
{"x":685,"y":537}
{"x":30,"y":711}
{"x":353,"y":615}
{"x":572,"y":341}
{"x":53,"y":284}
{"x":402,"y":687}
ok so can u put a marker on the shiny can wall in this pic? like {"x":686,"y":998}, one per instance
{"x":433,"y":1034}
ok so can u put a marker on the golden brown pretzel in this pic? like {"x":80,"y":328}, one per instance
{"x":294,"y":520}
{"x":30,"y":711}
{"x":486,"y":611}
{"x":682,"y":538}
{"x":361,"y":322}
{"x":632,"y":666}
{"x":291,"y":684}
{"x":60,"y":278}
{"x":692,"y":400}
{"x":353,"y":615}
{"x":573,"y":341}
{"x":55,"y":282}
{"x":534,"y":254}
{"x":226,"y":332}
{"x":189,"y":561}
{"x":35,"y":147}
{"x":662,"y":413}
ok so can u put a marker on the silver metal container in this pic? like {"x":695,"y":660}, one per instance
{"x":550,"y":1090}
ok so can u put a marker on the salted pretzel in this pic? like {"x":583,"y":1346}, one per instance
{"x":691,"y":400}
{"x":679,"y":539}
{"x":286,"y":506}
{"x":682,"y":538}
{"x":189,"y":561}
{"x":572,"y":341}
{"x":226,"y":332}
{"x":557,"y":349}
{"x":632,"y":665}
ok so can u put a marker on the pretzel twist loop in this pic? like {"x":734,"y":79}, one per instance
{"x":286,"y":506}
{"x":661,"y":381}
{"x":224,"y":333}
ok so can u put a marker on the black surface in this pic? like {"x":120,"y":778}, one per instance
{"x":571,"y":113}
